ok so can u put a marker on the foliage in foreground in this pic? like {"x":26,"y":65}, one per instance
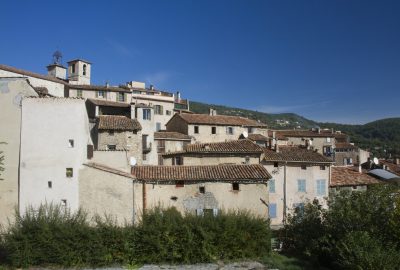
{"x":50,"y":236}
{"x":361,"y":230}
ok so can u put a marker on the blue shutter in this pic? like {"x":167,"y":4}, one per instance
{"x":272,"y":186}
{"x":301,"y":185}
{"x":321,"y":187}
{"x":272,"y":210}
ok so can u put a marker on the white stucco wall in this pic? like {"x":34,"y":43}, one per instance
{"x":47,"y":126}
{"x":12,"y":90}
{"x":54,"y":88}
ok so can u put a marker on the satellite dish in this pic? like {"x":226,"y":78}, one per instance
{"x":376,"y":161}
{"x":132,"y":161}
{"x":245,"y":134}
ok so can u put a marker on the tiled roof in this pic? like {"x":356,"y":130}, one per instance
{"x":100,"y":102}
{"x":257,"y":137}
{"x":304,"y":133}
{"x":394,"y":168}
{"x":278,"y":135}
{"x":248,"y":173}
{"x":295,"y":154}
{"x":345,"y":146}
{"x":31,"y":74}
{"x":118,"y":122}
{"x":99,"y":88}
{"x":230,"y":147}
{"x":350,"y":176}
{"x":109,"y":169}
{"x":171,"y":135}
{"x":205,"y":119}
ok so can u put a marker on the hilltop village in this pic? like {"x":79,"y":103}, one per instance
{"x":119,"y":150}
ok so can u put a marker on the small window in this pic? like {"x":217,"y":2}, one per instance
{"x":301,"y":185}
{"x":121,"y":97}
{"x":73,"y":68}
{"x":250,"y":130}
{"x":202,"y":190}
{"x":69,"y":172}
{"x":111,"y":147}
{"x":168,"y":112}
{"x":146,"y":114}
{"x":84,"y":70}
{"x":276,"y":164}
{"x":50,"y":184}
{"x":271,"y":186}
{"x":213,"y":130}
{"x":272,"y":210}
{"x":235,"y":186}
{"x":322,"y":168}
{"x":158,"y":109}
{"x":179,"y":184}
{"x":71,"y":143}
{"x":79,"y":93}
{"x":64,"y":203}
{"x":321,"y":187}
{"x":304,"y":167}
{"x":177,"y":161}
{"x":111,"y":132}
{"x":196,"y":129}
{"x":229,"y":130}
{"x":158,"y":126}
{"x":101,"y":94}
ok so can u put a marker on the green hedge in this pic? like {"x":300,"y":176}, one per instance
{"x":49,"y":236}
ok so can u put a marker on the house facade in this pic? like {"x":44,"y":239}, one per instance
{"x":170,"y":142}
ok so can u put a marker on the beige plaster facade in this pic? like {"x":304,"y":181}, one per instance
{"x":12,"y":91}
{"x":201,"y":159}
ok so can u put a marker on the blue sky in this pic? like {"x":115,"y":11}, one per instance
{"x":326,"y":60}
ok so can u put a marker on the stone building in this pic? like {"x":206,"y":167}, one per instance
{"x":349,"y":154}
{"x":231,"y":152}
{"x":202,"y":189}
{"x":214,"y":128}
{"x":298,"y":175}
{"x":351,"y":178}
{"x":170,"y":142}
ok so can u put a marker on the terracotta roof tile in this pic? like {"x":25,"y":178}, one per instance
{"x":171,"y":135}
{"x":394,"y":168}
{"x":99,"y":88}
{"x":278,"y":135}
{"x":100,"y":102}
{"x":230,"y":147}
{"x":303,"y":133}
{"x":257,"y":137}
{"x":295,"y":154}
{"x":349,"y":176}
{"x":118,"y":122}
{"x":205,"y":119}
{"x":248,"y":173}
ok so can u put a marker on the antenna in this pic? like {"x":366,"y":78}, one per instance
{"x":57,"y":57}
{"x":132,"y":161}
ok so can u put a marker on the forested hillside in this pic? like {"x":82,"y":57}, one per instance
{"x":382,"y":137}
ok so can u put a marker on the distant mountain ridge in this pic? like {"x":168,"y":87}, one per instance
{"x":382,"y":137}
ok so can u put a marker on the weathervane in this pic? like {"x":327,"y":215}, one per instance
{"x":57,"y":57}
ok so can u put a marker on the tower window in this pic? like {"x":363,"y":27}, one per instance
{"x":49,"y":184}
{"x":84,"y":70}
{"x":73,"y":68}
{"x":235,"y":186}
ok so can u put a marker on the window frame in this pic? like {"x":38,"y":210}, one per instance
{"x":302,"y":185}
{"x":196,"y":129}
{"x":147,"y":114}
{"x":213,"y":130}
{"x":235,"y":186}
{"x":318,"y":187}
{"x":69,"y":172}
{"x":272,"y":186}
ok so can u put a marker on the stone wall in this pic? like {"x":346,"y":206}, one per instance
{"x":214,"y":160}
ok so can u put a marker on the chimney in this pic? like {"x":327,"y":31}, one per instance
{"x":397,"y":161}
{"x":212,"y":112}
{"x":107,"y":84}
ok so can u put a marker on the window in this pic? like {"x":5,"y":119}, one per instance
{"x":250,"y":130}
{"x":229,"y":130}
{"x":272,"y":210}
{"x":50,"y":184}
{"x":276,"y":164}
{"x":301,"y":185}
{"x":196,"y":129}
{"x":213,"y":130}
{"x":304,"y":167}
{"x":79,"y":93}
{"x":64,"y":203}
{"x":146,"y":114}
{"x":272,"y":186}
{"x":111,"y":133}
{"x":158,"y":126}
{"x":321,"y":187}
{"x":121,"y":96}
{"x":168,"y":112}
{"x":348,"y":161}
{"x":101,"y":94}
{"x":328,"y":139}
{"x":69,"y":172}
{"x":235,"y":186}
{"x":179,"y":184}
{"x":322,"y":168}
{"x":202,"y":190}
{"x":158,"y":109}
{"x":71,"y":143}
{"x":84,"y":70}
{"x":160,"y":146}
{"x":111,"y":147}
{"x":177,"y":161}
{"x":73,"y":68}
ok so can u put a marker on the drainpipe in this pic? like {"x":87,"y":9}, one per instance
{"x":284,"y":193}
{"x":144,"y":196}
{"x":133,"y":201}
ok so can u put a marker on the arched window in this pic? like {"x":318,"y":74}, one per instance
{"x":84,"y":70}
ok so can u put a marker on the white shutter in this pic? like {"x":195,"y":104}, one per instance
{"x":215,"y":212}
{"x":199,"y":212}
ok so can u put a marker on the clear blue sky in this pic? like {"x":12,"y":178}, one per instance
{"x":326,"y":60}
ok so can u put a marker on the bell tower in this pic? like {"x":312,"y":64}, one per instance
{"x":79,"y":71}
{"x":56,"y":69}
